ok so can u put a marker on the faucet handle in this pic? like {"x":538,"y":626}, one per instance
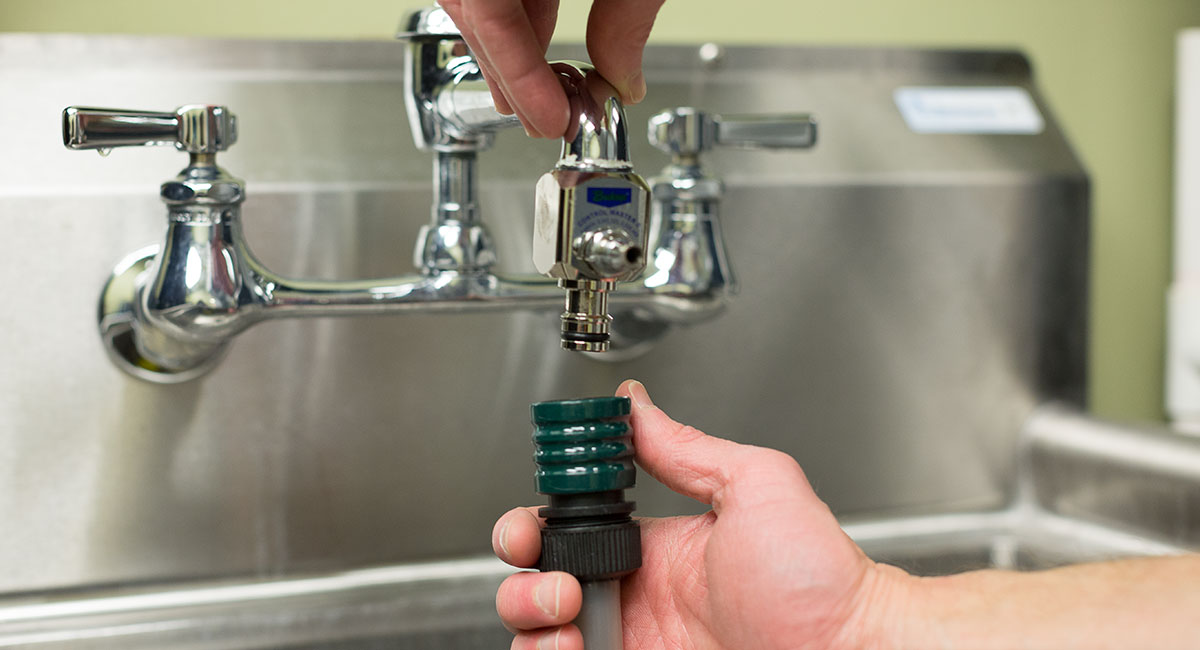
{"x":196,"y":128}
{"x":686,"y":131}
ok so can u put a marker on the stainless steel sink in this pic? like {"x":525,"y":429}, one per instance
{"x":905,"y":302}
{"x":1086,"y":490}
{"x":908,"y":304}
{"x":429,"y":605}
{"x":1067,"y":459}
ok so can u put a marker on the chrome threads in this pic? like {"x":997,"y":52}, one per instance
{"x":585,"y":321}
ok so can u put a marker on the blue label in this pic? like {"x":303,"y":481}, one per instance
{"x":609,"y":197}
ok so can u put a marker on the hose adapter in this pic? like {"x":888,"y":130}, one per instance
{"x":584,"y":458}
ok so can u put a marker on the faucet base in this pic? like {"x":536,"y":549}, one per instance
{"x":117,"y":320}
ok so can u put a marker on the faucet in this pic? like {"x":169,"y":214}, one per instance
{"x":591,"y":211}
{"x":169,"y":313}
{"x":689,"y":270}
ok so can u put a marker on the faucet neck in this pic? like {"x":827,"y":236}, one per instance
{"x":596,"y":136}
{"x":456,"y":239}
{"x":454,"y":187}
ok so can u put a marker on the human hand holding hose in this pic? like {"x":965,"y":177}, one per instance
{"x":770,"y":568}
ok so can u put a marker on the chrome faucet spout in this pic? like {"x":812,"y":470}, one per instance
{"x":596,"y":132}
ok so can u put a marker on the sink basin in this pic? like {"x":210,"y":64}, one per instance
{"x":450,"y":605}
{"x":428,"y":605}
{"x":1055,"y":519}
{"x":1017,"y":539}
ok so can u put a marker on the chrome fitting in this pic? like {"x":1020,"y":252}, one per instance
{"x":591,"y":217}
{"x":590,"y":232}
{"x":585,"y":321}
{"x":609,"y":253}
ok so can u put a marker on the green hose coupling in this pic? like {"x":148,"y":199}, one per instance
{"x":583,"y":446}
{"x":584,"y":458}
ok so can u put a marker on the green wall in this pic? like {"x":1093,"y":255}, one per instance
{"x":1106,"y":66}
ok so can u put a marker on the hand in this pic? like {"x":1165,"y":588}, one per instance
{"x":510,"y":37}
{"x":768,"y":567}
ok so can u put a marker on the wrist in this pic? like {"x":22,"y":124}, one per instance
{"x":953,"y":612}
{"x":883,"y":614}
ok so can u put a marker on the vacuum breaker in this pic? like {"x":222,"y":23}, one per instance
{"x":592,"y":210}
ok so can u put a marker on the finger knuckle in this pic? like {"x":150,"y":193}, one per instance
{"x":766,"y":461}
{"x":687,"y":433}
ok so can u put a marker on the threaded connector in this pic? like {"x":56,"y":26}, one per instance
{"x":585,"y":320}
{"x":583,"y":446}
{"x":584,"y":458}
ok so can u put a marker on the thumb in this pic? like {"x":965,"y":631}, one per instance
{"x":617,"y":32}
{"x":708,"y":469}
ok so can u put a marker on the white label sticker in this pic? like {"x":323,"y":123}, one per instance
{"x":969,"y":109}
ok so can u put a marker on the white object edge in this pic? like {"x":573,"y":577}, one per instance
{"x":1183,"y":296}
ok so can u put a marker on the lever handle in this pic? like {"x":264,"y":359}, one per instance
{"x":686,"y":131}
{"x":197,"y":128}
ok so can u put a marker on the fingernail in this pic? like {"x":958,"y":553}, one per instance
{"x":502,"y":540}
{"x":549,"y":642}
{"x":639,"y":395}
{"x":637,"y":87}
{"x":546,"y":596}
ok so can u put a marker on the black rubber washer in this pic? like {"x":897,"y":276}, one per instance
{"x":584,"y":337}
{"x":596,"y":510}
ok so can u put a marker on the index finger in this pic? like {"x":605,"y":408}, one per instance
{"x":509,"y":40}
{"x":617,"y":32}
